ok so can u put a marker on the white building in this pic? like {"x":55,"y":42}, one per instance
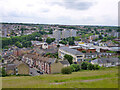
{"x":64,"y":34}
{"x":68,"y":33}
{"x":57,"y":34}
{"x":73,"y":33}
{"x":77,"y":55}
{"x":44,"y":45}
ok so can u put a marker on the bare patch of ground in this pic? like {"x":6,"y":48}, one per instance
{"x":81,"y":81}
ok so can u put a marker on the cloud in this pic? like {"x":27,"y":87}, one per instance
{"x":45,"y":10}
{"x":96,"y":12}
{"x":75,"y":4}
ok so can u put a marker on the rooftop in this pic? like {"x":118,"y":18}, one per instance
{"x":64,"y":62}
{"x":72,"y":51}
{"x":106,"y":60}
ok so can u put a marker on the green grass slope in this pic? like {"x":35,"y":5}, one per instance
{"x":106,"y":78}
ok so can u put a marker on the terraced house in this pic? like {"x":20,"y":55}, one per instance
{"x":44,"y":64}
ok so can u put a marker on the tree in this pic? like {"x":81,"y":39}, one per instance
{"x":92,"y":31}
{"x":115,"y":42}
{"x":104,"y":39}
{"x":110,"y":30}
{"x":2,"y":60}
{"x":0,"y":57}
{"x":22,"y":31}
{"x":95,"y":29}
{"x":50,"y":40}
{"x":100,"y":37}
{"x":18,"y":44}
{"x":77,"y":38}
{"x":53,"y":39}
{"x":26,"y":43}
{"x":12,"y":33}
{"x":12,"y":40}
{"x":105,"y":35}
{"x":96,"y":39}
{"x":71,"y":42}
{"x":84,"y":65}
{"x":69,"y":58}
{"x":119,"y":57}
{"x":63,"y":42}
{"x":40,"y":39}
{"x":50,"y":31}
{"x":58,"y":45}
{"x":97,"y":32}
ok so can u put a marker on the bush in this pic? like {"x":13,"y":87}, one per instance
{"x":66,"y":70}
{"x":75,"y":67}
{"x":23,"y":75}
{"x":90,"y":66}
{"x":72,"y":68}
{"x":63,"y":42}
{"x":3,"y":72}
{"x":83,"y":51}
{"x":40,"y":39}
{"x":84,"y":65}
{"x":96,"y":67}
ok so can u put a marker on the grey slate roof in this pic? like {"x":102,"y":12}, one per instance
{"x":105,"y":60}
{"x":51,"y":60}
{"x":72,"y":51}
{"x":10,"y":66}
{"x":64,"y":62}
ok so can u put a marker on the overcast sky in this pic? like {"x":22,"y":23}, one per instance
{"x":76,"y":12}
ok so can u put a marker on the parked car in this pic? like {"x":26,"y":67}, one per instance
{"x":40,"y":72}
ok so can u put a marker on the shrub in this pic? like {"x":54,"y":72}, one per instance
{"x":83,"y":51}
{"x":93,"y":58}
{"x":90,"y":51}
{"x":75,"y":67}
{"x":3,"y":72}
{"x":96,"y":67}
{"x":84,"y":65}
{"x":23,"y":75}
{"x":66,"y":70}
{"x":72,"y":68}
{"x":90,"y":66}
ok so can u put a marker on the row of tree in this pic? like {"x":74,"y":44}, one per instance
{"x":50,"y":40}
{"x":77,"y":67}
{"x":17,"y":39}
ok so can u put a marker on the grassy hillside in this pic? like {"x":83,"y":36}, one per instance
{"x":107,"y":78}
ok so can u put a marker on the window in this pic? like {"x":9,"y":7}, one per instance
{"x":45,"y":44}
{"x":113,"y":63}
{"x":79,"y":56}
{"x":79,"y":60}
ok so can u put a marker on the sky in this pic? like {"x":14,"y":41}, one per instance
{"x":67,"y":12}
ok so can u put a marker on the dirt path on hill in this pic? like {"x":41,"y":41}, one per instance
{"x":82,"y":81}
